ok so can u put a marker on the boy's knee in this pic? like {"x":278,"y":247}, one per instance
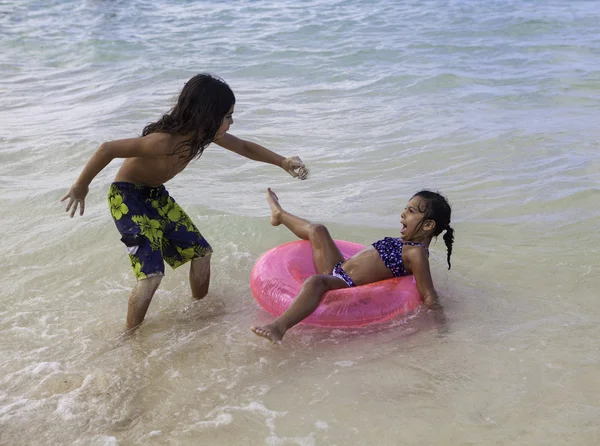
{"x":150,"y":282}
{"x":200,"y":265}
{"x":200,"y":269}
{"x":147,"y":287}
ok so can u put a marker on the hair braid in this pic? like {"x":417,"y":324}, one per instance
{"x":449,"y":240}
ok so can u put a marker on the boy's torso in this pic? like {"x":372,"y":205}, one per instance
{"x":153,"y":171}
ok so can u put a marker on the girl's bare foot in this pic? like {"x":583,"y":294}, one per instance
{"x":275,"y":207}
{"x":271,"y":332}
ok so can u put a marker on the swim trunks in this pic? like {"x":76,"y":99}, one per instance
{"x":154,"y":229}
{"x":390,"y":251}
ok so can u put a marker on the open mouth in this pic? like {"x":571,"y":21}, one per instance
{"x":402,"y":228}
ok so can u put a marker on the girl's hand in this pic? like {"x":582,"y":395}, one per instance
{"x":295,"y":167}
{"x":436,"y":311}
{"x":76,"y":196}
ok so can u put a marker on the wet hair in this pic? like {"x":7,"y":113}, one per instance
{"x":200,"y":109}
{"x":435,"y":207}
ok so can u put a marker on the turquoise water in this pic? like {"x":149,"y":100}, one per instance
{"x":496,"y":104}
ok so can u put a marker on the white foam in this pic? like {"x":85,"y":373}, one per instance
{"x":42,"y":367}
{"x":219,"y":420}
{"x":345,"y":363}
{"x":321,"y":425}
{"x":98,"y":440}
{"x":64,"y":408}
{"x":309,"y":440}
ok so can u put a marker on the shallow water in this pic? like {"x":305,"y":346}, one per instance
{"x":494,"y":103}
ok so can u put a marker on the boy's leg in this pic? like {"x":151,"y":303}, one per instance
{"x":303,"y":306}
{"x":182,"y":243}
{"x":140,"y":299}
{"x":139,"y":222}
{"x":326,"y":254}
{"x":200,"y":276}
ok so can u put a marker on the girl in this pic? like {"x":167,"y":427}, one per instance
{"x":426,"y":215}
{"x":153,"y":227}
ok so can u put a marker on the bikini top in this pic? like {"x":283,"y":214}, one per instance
{"x":390,"y":251}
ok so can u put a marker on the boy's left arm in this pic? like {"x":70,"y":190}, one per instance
{"x":293,"y":165}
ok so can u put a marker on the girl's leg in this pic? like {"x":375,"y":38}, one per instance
{"x":326,"y":254}
{"x":303,"y":306}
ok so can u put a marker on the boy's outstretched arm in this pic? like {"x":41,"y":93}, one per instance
{"x":293,"y":165}
{"x":152,"y":145}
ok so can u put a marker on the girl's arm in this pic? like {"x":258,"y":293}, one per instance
{"x":257,"y":152}
{"x":419,"y":265}
{"x":155,"y":144}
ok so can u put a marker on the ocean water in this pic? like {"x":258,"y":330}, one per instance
{"x":495,"y":103}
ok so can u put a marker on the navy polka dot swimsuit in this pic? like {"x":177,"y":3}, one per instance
{"x":390,"y":251}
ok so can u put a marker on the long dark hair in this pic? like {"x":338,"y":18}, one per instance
{"x":199,"y":112}
{"x":437,"y":208}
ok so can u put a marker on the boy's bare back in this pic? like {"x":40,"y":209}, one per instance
{"x":155,"y":170}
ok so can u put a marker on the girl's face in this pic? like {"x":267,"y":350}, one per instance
{"x":411,"y":218}
{"x":227,"y":122}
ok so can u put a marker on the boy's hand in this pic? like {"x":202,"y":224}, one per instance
{"x":76,"y":196}
{"x":295,"y":167}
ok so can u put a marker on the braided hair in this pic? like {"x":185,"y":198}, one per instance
{"x":437,"y":208}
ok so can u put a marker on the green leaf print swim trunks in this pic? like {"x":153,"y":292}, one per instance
{"x":154,"y":229}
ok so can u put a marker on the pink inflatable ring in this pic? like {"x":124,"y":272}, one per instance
{"x":278,"y":275}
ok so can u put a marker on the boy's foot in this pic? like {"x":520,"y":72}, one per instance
{"x":271,"y":332}
{"x":275,"y":207}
